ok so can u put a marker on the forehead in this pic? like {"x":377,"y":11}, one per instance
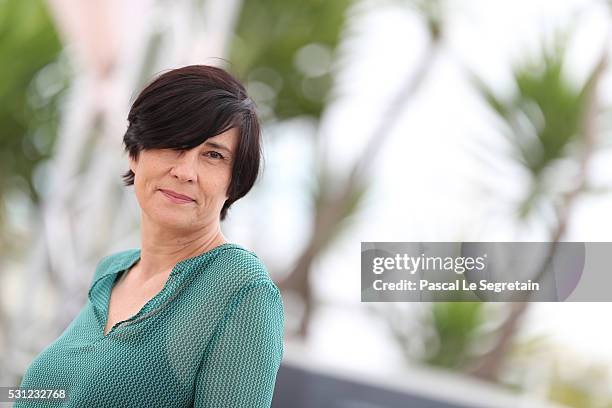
{"x":227,"y":140}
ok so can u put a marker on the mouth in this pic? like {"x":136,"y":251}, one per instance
{"x":176,"y":197}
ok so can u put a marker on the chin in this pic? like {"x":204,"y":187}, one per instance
{"x":171,"y":219}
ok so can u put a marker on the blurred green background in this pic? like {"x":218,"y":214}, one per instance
{"x":343,"y":87}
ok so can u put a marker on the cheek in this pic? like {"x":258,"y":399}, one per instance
{"x":141,"y":195}
{"x":215,"y":189}
{"x":224,"y":185}
{"x":140,"y":185}
{"x":145,"y":185}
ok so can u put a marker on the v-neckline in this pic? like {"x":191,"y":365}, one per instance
{"x":151,"y":305}
{"x":117,"y":277}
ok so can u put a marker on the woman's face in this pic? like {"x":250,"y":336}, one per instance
{"x":202,"y":173}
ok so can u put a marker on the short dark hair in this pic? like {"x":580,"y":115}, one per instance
{"x":183,"y":107}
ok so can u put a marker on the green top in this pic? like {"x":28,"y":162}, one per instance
{"x":212,"y":337}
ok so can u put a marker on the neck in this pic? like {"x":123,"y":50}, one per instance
{"x":162,"y":248}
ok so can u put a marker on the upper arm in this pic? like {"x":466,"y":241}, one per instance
{"x":239,"y":366}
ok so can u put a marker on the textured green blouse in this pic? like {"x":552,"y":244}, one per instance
{"x":212,"y":337}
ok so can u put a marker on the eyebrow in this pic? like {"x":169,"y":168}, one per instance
{"x":218,"y":146}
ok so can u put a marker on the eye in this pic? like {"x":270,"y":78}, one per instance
{"x":214,"y":155}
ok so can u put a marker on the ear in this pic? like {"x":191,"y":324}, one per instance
{"x":133,"y":163}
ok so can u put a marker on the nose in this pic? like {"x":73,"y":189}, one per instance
{"x":184,"y":168}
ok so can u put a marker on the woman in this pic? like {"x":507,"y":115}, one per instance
{"x":189,"y":319}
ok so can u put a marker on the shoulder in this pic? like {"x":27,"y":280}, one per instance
{"x":250,"y":280}
{"x":239,"y":265}
{"x":249,"y":292}
{"x":236,"y":271}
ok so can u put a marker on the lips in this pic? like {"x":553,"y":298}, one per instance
{"x":176,"y":196}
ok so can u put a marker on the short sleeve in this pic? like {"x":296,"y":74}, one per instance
{"x":239,"y":366}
